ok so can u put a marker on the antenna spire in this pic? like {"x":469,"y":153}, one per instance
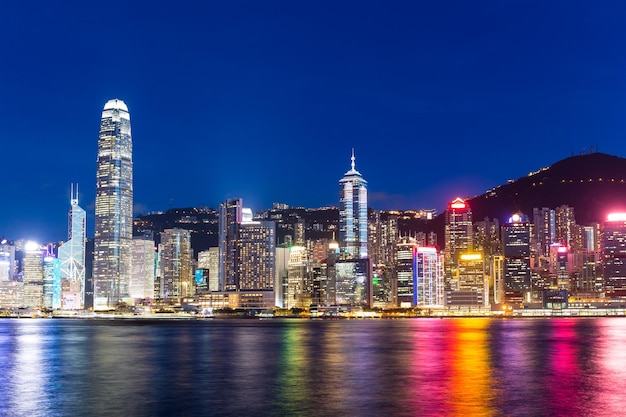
{"x":352,"y":159}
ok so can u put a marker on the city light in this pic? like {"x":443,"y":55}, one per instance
{"x":616,"y":217}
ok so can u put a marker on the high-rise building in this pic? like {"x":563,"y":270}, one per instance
{"x":614,"y":255}
{"x":405,"y":267}
{"x":32,"y":269}
{"x":7,"y":260}
{"x":299,"y":287}
{"x":114,"y":207}
{"x":72,"y":257}
{"x":353,"y":214}
{"x":516,"y":251}
{"x":230,"y":215}
{"x":428,"y":286}
{"x":176,"y":264}
{"x":352,"y":273}
{"x":256,"y":256}
{"x":142,"y":276}
{"x":472,"y":286}
{"x":208,"y":262}
{"x":544,"y":230}
{"x":51,"y":281}
{"x":566,"y":227}
{"x":458,"y":238}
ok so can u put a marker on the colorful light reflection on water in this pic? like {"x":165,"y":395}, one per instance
{"x":422,"y":367}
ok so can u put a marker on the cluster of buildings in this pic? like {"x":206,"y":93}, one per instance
{"x":361,"y":260}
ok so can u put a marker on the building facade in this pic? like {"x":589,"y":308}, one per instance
{"x":114,"y":207}
{"x":72,"y":257}
{"x":353,"y":214}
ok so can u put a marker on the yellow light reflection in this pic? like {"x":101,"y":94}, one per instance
{"x":471,"y":385}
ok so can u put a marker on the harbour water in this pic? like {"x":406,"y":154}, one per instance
{"x":293,"y":367}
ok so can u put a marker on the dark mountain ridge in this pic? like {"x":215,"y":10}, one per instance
{"x":594,"y":184}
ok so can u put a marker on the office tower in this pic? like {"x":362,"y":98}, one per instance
{"x":142,"y":275}
{"x":208,"y":262}
{"x":72,"y":257}
{"x":114,"y":207}
{"x":544,"y":230}
{"x":298,"y":286}
{"x":566,"y":227}
{"x":299,"y":232}
{"x":89,"y":253}
{"x":405,"y":268}
{"x":472,"y":286}
{"x":428,"y":284}
{"x":516,"y":251}
{"x":562,"y":268}
{"x":353,"y":214}
{"x":352,"y":274}
{"x":230,"y":215}
{"x":256,"y":256}
{"x":7,"y":260}
{"x":176,"y":264}
{"x":591,"y":237}
{"x":614,"y":254}
{"x":458,"y":238}
{"x":352,"y":282}
{"x":281,"y":280}
{"x":383,"y":235}
{"x":486,"y":237}
{"x":497,"y":278}
{"x":32,"y":269}
{"x":51,"y":281}
{"x":589,"y":282}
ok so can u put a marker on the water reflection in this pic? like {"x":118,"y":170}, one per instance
{"x":422,"y":367}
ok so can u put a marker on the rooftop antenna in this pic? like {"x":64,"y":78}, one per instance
{"x":352,"y":159}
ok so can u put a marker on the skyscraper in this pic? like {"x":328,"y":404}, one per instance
{"x":33,"y":275}
{"x":72,"y":257}
{"x":614,"y":254}
{"x":458,"y":238}
{"x":176,"y":264}
{"x":353,"y":214}
{"x":229,"y":218}
{"x":114,"y":207}
{"x":142,"y":277}
{"x":516,"y":250}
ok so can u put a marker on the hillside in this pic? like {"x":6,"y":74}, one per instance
{"x":593,"y":184}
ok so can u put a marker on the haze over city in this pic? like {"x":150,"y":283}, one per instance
{"x":265,"y":100}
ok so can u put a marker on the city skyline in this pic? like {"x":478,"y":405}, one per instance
{"x":265,"y":101}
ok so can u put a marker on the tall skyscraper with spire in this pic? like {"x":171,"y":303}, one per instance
{"x":352,"y":281}
{"x":72,"y":257}
{"x":114,"y":207}
{"x":353,"y":214}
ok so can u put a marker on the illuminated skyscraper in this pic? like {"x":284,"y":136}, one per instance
{"x":428,"y":285}
{"x":7,"y":260}
{"x":544,"y":230}
{"x":614,"y":255}
{"x":33,"y":275}
{"x":142,"y":277}
{"x":472,"y":285}
{"x":256,"y":256}
{"x":406,"y":269}
{"x":353,"y":214}
{"x":208,"y":262}
{"x":114,"y":207}
{"x":458,"y":238}
{"x":229,"y":218}
{"x":516,"y":251}
{"x":298,"y":292}
{"x":51,"y":281}
{"x":72,"y":257}
{"x":176,"y":264}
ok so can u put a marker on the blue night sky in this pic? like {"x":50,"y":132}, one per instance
{"x":265,"y":99}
